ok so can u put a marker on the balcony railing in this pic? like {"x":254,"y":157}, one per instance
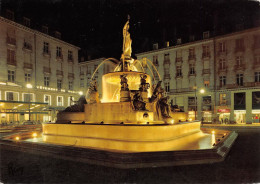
{"x":178,"y":60}
{"x":167,"y":76}
{"x":206,"y":71}
{"x":11,"y":41}
{"x":11,"y":62}
{"x":192,"y":57}
{"x":47,"y":70}
{"x":28,"y":65}
{"x":205,"y":55}
{"x":59,"y":73}
{"x":239,"y":67}
{"x":71,"y":75}
{"x":240,"y":49}
{"x":27,"y":46}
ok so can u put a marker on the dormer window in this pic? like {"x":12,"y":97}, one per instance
{"x":26,"y":22}
{"x":57,"y":34}
{"x":10,"y":15}
{"x":206,"y":35}
{"x":45,"y":29}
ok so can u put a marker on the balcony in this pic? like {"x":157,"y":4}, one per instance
{"x":178,"y":60}
{"x":59,"y":58}
{"x":11,"y":41}
{"x":192,"y":57}
{"x":205,"y":71}
{"x":59,"y":73}
{"x":239,"y":67}
{"x":70,"y":60}
{"x":71,"y":75}
{"x":205,"y":55}
{"x":27,"y":47}
{"x":11,"y":62}
{"x":179,"y":75}
{"x":46,"y":70}
{"x":222,"y":52}
{"x":28,"y":66}
{"x":166,"y":61}
{"x":240,"y":49}
{"x":167,"y":76}
{"x":46,"y":53}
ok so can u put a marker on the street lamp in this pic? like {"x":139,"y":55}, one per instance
{"x":29,"y":86}
{"x":201,"y":91}
{"x":80,"y":93}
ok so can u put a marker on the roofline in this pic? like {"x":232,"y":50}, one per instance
{"x":199,"y":41}
{"x":35,"y":31}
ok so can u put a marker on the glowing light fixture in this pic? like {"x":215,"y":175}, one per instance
{"x":202,"y":91}
{"x":213,"y":132}
{"x":29,"y":86}
{"x":17,"y":138}
{"x":34,"y":134}
{"x":80,"y":93}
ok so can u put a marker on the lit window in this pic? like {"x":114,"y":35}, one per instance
{"x":59,"y":101}
{"x":47,"y":99}
{"x":71,"y":101}
{"x":206,"y":83}
{"x":222,"y":98}
{"x":11,"y":76}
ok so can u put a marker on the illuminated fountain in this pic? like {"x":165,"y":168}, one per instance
{"x":131,"y":119}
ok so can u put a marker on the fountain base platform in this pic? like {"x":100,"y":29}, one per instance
{"x":203,"y":147}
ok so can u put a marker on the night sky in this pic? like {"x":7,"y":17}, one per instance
{"x":96,"y":25}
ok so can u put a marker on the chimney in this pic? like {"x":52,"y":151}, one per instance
{"x":206,"y":35}
{"x":192,"y":38}
{"x":178,"y":41}
{"x":57,"y":34}
{"x":155,"y":46}
{"x":167,"y":44}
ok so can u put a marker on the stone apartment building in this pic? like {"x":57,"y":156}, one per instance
{"x":38,"y":72}
{"x":225,"y":68}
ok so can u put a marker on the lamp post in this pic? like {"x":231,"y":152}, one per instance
{"x":201,"y":91}
{"x":29,"y":86}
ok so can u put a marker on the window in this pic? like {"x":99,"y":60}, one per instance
{"x":191,"y":53}
{"x":205,"y":49}
{"x":71,"y":101}
{"x":239,"y":60}
{"x":81,"y":82}
{"x":70,"y":56}
{"x":239,"y":79}
{"x":26,"y":22}
{"x":222,"y":81}
{"x":59,"y":100}
{"x":257,"y":76}
{"x":27,"y":77}
{"x":9,"y":96}
{"x":11,"y":76}
{"x":239,"y":44}
{"x":206,"y":35}
{"x":192,"y":69}
{"x":46,"y":81}
{"x":222,"y":47}
{"x":47,"y":99}
{"x":155,"y":60}
{"x":58,"y":52}
{"x":222,"y":64}
{"x":59,"y":84}
{"x":70,"y":85}
{"x":27,"y":97}
{"x":45,"y":47}
{"x":167,"y":86}
{"x":206,"y":83}
{"x":178,"y":69}
{"x":11,"y":57}
{"x":222,"y":98}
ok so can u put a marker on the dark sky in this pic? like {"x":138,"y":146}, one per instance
{"x":96,"y":25}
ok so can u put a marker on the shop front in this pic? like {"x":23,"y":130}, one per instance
{"x":256,"y":116}
{"x":223,"y":115}
{"x":240,"y":116}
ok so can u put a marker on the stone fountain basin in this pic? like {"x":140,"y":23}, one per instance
{"x":203,"y":147}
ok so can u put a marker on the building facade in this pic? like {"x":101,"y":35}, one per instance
{"x":38,"y":73}
{"x":215,"y":79}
